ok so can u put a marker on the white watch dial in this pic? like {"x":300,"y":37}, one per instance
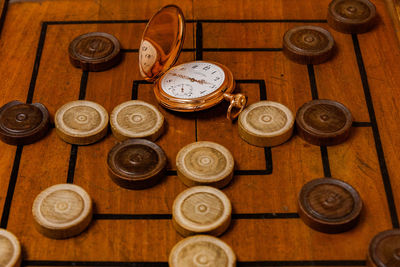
{"x":192,"y":80}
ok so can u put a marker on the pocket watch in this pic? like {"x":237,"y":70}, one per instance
{"x":188,"y":87}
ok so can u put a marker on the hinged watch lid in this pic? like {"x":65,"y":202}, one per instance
{"x":162,"y":42}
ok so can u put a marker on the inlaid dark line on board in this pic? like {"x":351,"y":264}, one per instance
{"x":260,"y":49}
{"x":237,"y":216}
{"x":313,"y":83}
{"x":361,"y":124}
{"x":303,"y":263}
{"x":93,"y":263}
{"x":3,"y":15}
{"x":375,"y":130}
{"x":83,"y":85}
{"x":36,"y":65}
{"x":11,"y":187}
{"x":325,"y":161}
{"x":199,"y":41}
{"x":55,"y":22}
{"x":162,"y":264}
{"x":72,"y":163}
{"x":171,"y":173}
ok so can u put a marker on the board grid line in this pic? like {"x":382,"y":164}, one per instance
{"x":372,"y":124}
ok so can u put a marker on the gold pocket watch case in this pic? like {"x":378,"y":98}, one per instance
{"x":188,"y":87}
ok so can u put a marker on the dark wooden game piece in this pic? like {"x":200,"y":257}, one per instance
{"x":136,"y":119}
{"x":81,"y":122}
{"x":95,"y":51}
{"x":62,"y":211}
{"x":351,"y":16}
{"x":202,"y":250}
{"x":201,"y":210}
{"x":308,"y":44}
{"x":266,"y":123}
{"x":205,"y":163}
{"x":136,"y":163}
{"x":22,"y":124}
{"x":329,"y":205}
{"x":323,"y":122}
{"x":384,"y":249}
{"x":10,"y":249}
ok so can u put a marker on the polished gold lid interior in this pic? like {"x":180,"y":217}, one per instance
{"x":162,"y":42}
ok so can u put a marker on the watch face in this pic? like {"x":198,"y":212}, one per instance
{"x":193,"y":80}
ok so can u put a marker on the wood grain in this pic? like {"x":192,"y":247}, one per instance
{"x":266,"y":181}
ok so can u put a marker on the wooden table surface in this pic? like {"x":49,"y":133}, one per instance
{"x":134,"y":227}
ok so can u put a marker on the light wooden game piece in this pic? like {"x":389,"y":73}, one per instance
{"x":201,"y":210}
{"x":81,"y":122}
{"x":329,"y":205}
{"x":136,"y":119}
{"x":10,"y":249}
{"x":202,"y":250}
{"x":62,"y":211}
{"x":351,"y":16}
{"x":22,"y":124}
{"x":205,"y":163}
{"x":136,"y":163}
{"x":95,"y":51}
{"x":266,"y":123}
{"x":384,"y":249}
{"x":323,"y":122}
{"x":308,"y":44}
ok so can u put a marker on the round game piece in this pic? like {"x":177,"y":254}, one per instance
{"x":81,"y":122}
{"x":201,"y":210}
{"x":22,"y":124}
{"x":62,"y":211}
{"x":95,"y":51}
{"x":329,"y":205}
{"x":266,"y":123}
{"x":202,"y":250}
{"x":136,"y":163}
{"x":10,"y":249}
{"x":351,"y":16}
{"x":308,"y":44}
{"x":205,"y":163}
{"x":323,"y":122}
{"x":384,"y":249}
{"x":136,"y":119}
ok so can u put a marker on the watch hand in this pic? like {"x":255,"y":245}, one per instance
{"x":190,"y":78}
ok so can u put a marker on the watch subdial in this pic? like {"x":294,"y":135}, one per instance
{"x":182,"y":90}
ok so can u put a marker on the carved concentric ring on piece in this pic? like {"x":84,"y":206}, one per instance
{"x":308,"y":44}
{"x":62,"y":210}
{"x":205,"y":163}
{"x":136,"y":119}
{"x":202,"y":250}
{"x":95,"y":51}
{"x":201,"y":209}
{"x":22,"y":124}
{"x":81,"y":122}
{"x":384,"y":249}
{"x":266,"y":123}
{"x":351,"y":16}
{"x":10,"y":249}
{"x":329,"y":205}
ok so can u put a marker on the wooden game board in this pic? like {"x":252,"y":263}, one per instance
{"x":133,"y":228}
